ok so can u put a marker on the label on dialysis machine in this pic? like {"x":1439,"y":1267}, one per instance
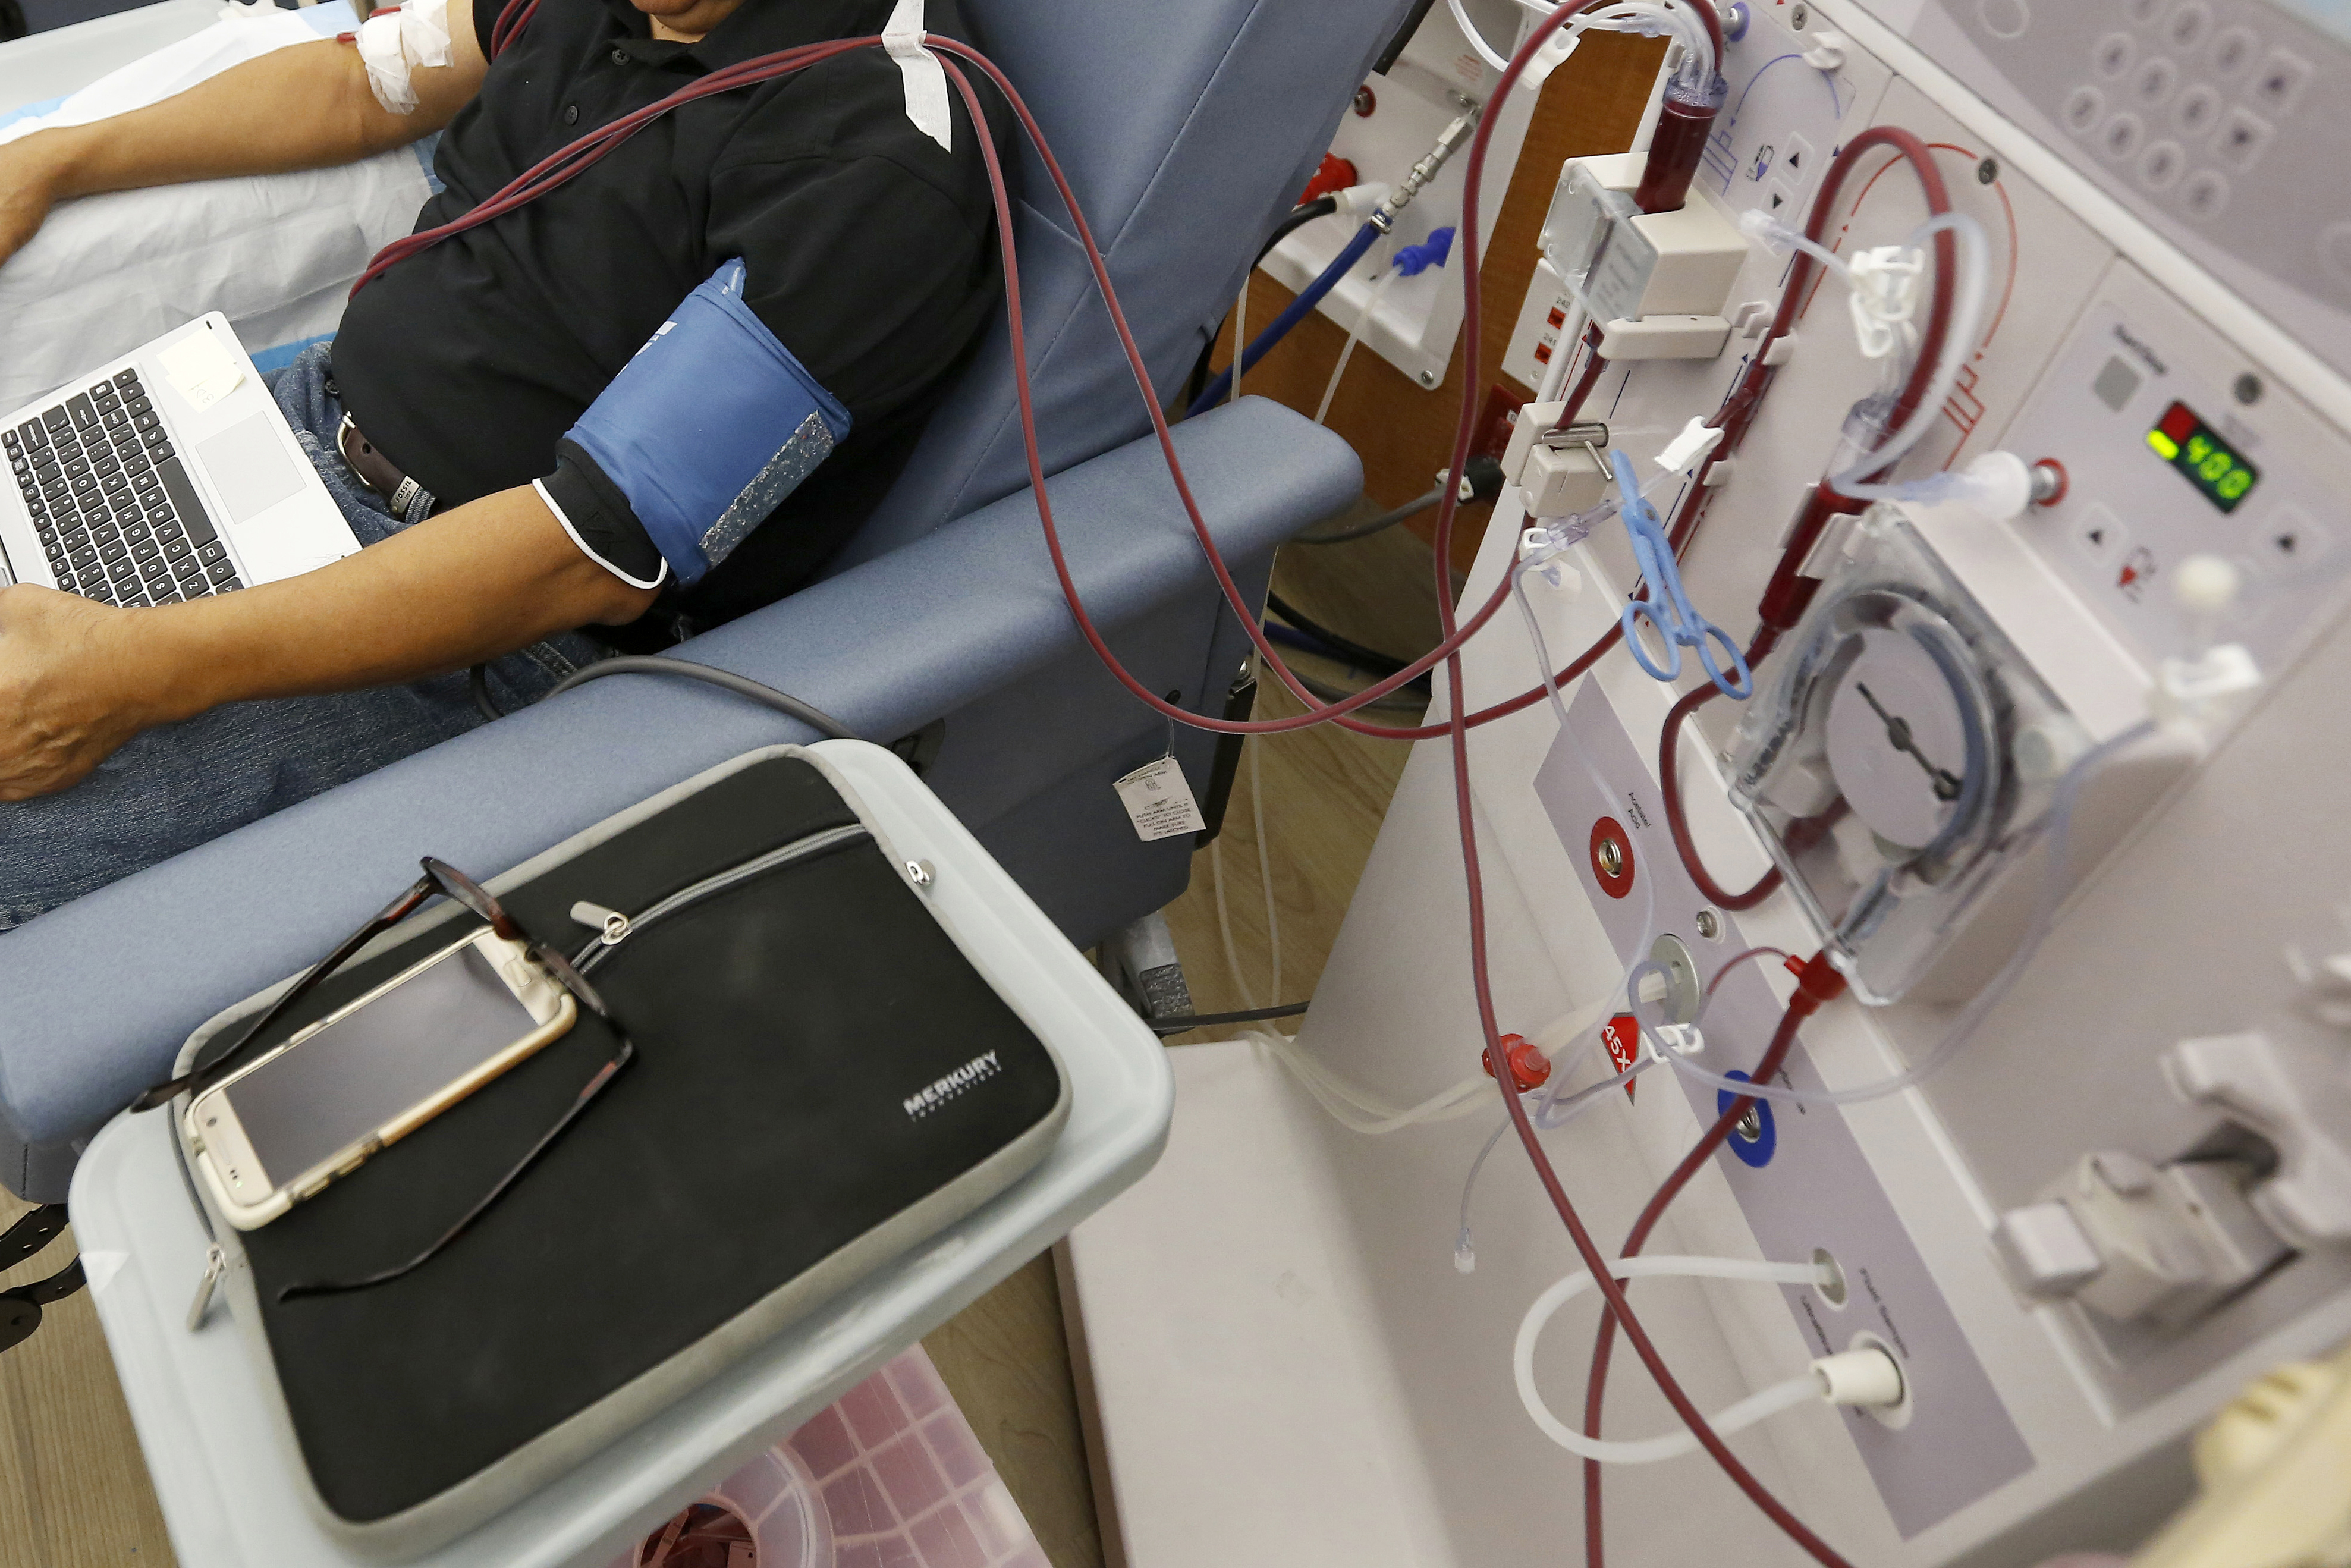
{"x":1159,"y":802}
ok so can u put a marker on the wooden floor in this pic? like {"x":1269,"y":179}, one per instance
{"x":74,"y":1492}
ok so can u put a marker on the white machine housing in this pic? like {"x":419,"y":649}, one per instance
{"x":2178,"y":1044}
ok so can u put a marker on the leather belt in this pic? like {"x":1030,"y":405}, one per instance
{"x":376,"y":471}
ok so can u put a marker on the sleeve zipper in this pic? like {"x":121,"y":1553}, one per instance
{"x":613,"y":927}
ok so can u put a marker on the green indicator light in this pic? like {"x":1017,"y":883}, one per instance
{"x":2199,"y":454}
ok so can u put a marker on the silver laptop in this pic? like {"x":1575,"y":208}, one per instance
{"x":163,"y":475}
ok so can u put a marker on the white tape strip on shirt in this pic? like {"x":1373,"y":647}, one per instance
{"x":927,"y":79}
{"x":392,"y":43}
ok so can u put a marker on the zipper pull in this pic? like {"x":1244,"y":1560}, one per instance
{"x":614,"y":925}
{"x":216,"y":1265}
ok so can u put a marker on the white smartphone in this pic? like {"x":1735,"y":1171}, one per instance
{"x":277,"y":1130}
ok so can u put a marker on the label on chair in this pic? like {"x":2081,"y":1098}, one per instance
{"x":1159,"y":801}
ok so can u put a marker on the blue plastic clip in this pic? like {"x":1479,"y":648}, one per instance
{"x":1668,"y":607}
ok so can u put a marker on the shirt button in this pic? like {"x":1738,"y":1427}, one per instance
{"x":571,"y":114}
{"x":620,"y":57}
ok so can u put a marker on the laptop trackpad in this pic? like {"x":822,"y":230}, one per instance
{"x":248,"y":466}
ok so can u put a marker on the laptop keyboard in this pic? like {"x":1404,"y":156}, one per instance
{"x":116,"y":511}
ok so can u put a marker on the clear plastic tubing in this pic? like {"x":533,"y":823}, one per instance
{"x":1755,"y":1408}
{"x":1959,"y":347}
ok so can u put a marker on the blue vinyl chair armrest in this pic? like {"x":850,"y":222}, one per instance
{"x":97,"y":998}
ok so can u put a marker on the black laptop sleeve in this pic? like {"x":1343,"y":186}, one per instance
{"x":823,"y":1080}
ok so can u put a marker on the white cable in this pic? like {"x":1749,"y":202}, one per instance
{"x":1476,"y":39}
{"x":1465,"y":1240}
{"x":1265,"y":869}
{"x":1363,"y":1111}
{"x":1225,"y":921}
{"x":1550,"y":1114}
{"x":1355,"y":336}
{"x":1959,"y":348}
{"x":1358,"y":1112}
{"x":1755,"y":1408}
{"x":1648,"y":16}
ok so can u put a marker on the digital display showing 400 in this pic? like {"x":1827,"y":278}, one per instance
{"x":2210,"y":464}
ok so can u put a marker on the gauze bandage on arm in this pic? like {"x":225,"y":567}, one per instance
{"x":694,"y":443}
{"x":394,"y":43}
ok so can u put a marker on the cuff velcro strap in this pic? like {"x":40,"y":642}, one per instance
{"x":708,"y":428}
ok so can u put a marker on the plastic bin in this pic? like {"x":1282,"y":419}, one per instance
{"x":889,"y":1477}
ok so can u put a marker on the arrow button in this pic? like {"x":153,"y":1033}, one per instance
{"x":2291,"y":541}
{"x":2100,"y":535}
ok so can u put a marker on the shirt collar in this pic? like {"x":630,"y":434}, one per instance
{"x":756,"y":27}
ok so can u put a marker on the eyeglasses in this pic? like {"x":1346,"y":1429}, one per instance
{"x":20,"y":1307}
{"x":454,"y":884}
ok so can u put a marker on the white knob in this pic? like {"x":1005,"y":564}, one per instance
{"x":2205,"y":584}
{"x":1867,"y":1377}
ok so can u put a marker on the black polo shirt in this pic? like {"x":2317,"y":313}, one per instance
{"x":870,"y":254}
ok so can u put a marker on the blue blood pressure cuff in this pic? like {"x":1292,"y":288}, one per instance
{"x":694,"y":443}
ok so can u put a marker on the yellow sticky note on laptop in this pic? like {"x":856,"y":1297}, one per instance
{"x":200,"y":370}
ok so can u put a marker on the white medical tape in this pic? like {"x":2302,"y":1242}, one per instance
{"x":387,"y":63}
{"x":927,"y":79}
{"x":424,"y":32}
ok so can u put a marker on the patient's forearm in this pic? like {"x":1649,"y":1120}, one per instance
{"x":76,"y":680}
{"x":306,"y":106}
{"x":473,"y":583}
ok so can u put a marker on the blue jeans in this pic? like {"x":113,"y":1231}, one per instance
{"x":175,"y":787}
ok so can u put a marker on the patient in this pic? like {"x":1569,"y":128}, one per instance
{"x":436,"y":416}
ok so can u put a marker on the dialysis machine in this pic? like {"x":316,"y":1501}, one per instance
{"x":2050,"y":766}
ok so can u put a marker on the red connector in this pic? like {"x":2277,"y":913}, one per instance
{"x":1529,"y":1068}
{"x":1335,"y":175}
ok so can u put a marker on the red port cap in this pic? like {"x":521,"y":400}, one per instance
{"x":1529,"y":1068}
{"x":1335,"y":175}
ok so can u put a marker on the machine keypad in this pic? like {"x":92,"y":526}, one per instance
{"x":2150,"y":72}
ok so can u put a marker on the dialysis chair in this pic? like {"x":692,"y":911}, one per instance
{"x":1185,"y":131}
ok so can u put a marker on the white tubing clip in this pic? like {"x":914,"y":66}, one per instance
{"x":1827,"y":52}
{"x":1884,"y":296}
{"x":1681,"y":1038}
{"x":1868,"y":1379}
{"x":2193,"y":694}
{"x":1698,"y":438}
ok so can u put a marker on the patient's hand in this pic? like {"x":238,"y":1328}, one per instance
{"x":70,"y":688}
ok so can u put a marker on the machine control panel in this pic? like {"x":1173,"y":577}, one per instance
{"x":2172,"y":445}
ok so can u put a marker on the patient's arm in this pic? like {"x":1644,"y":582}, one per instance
{"x":302,"y":107}
{"x":78,"y":679}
